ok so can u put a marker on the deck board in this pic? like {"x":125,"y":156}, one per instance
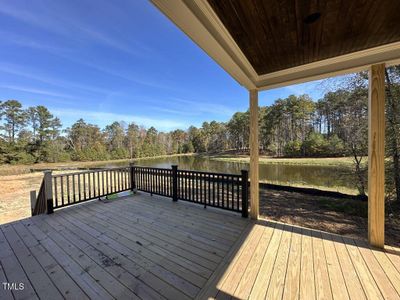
{"x":143,"y":247}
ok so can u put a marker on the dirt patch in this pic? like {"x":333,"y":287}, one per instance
{"x":14,"y":199}
{"x":341,"y":216}
{"x":15,"y":195}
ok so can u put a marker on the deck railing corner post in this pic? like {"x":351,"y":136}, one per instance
{"x":132,"y":174}
{"x":33,"y":200}
{"x":174,"y":182}
{"x":245,"y":193}
{"x":48,"y":188}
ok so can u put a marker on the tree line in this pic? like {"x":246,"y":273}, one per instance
{"x":296,"y":126}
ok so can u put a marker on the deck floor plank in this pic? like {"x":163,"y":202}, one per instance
{"x":381,"y":279}
{"x":261,"y":283}
{"x":292,"y":281}
{"x":39,"y":279}
{"x":5,"y":294}
{"x":127,"y":247}
{"x":184,"y":221}
{"x":277,"y":281}
{"x":193,"y":213}
{"x":232,"y":280}
{"x":14,"y":271}
{"x":91,"y":287}
{"x":99,"y":273}
{"x":307,"y":273}
{"x":367,"y":280}
{"x":120,"y":222}
{"x":250,"y":275}
{"x":339,"y":288}
{"x":322,"y":281}
{"x":389,"y":268}
{"x":148,"y":225}
{"x":148,"y":247}
{"x":65,"y":284}
{"x":353,"y":284}
{"x":154,"y":254}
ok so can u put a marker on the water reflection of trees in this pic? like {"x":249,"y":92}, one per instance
{"x":318,"y":176}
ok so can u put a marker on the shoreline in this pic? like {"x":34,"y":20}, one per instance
{"x":340,"y":162}
{"x":7,"y":169}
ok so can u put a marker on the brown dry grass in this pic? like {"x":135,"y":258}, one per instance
{"x":15,"y":195}
{"x":14,"y":201}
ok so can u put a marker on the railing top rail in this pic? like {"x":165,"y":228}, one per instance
{"x":91,"y":171}
{"x":209,"y":173}
{"x":152,"y":168}
{"x":144,"y":168}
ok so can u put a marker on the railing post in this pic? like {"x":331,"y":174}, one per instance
{"x":48,"y":191}
{"x":133,"y":181}
{"x":174,"y":183}
{"x":33,"y":200}
{"x":245,"y":193}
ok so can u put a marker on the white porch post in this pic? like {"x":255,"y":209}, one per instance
{"x":376,"y":156}
{"x":254,"y":189}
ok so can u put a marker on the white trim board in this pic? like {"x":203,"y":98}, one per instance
{"x":198,"y":20}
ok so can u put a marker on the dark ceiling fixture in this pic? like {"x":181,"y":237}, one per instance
{"x":312,"y":18}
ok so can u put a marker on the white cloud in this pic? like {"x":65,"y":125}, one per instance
{"x":40,"y":92}
{"x":35,"y":75}
{"x":203,"y":107}
{"x":73,"y":28}
{"x":303,"y":88}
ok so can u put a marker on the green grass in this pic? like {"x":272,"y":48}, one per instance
{"x":343,"y":162}
{"x":341,"y":189}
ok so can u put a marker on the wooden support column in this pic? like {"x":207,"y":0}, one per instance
{"x":376,"y":156}
{"x":254,"y":185}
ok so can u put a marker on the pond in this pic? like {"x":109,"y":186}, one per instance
{"x":321,"y":177}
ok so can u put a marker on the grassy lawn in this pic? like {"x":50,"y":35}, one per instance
{"x":330,"y":161}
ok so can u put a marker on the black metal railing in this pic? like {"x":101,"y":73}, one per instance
{"x":212,"y":189}
{"x":78,"y":187}
{"x":156,"y":181}
{"x":226,"y":191}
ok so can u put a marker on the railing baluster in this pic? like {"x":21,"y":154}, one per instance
{"x":98,"y":184}
{"x":79,"y":188}
{"x":73,"y":188}
{"x":107,"y":182}
{"x":213,"y":189}
{"x":62,"y":190}
{"x":112,"y":173}
{"x":218,"y":191}
{"x":68,"y":190}
{"x":94,"y":188}
{"x":222,"y":191}
{"x":237,"y":193}
{"x":209,"y":189}
{"x":89,"y":185}
{"x":55,"y":193}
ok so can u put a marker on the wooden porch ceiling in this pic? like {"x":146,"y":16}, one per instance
{"x":265,"y":44}
{"x":277,"y":35}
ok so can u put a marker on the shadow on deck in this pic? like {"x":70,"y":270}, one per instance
{"x":152,"y":248}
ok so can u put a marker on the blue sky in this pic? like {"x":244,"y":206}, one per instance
{"x":116,"y":60}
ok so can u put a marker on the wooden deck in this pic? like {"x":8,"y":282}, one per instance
{"x":144,"y":247}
